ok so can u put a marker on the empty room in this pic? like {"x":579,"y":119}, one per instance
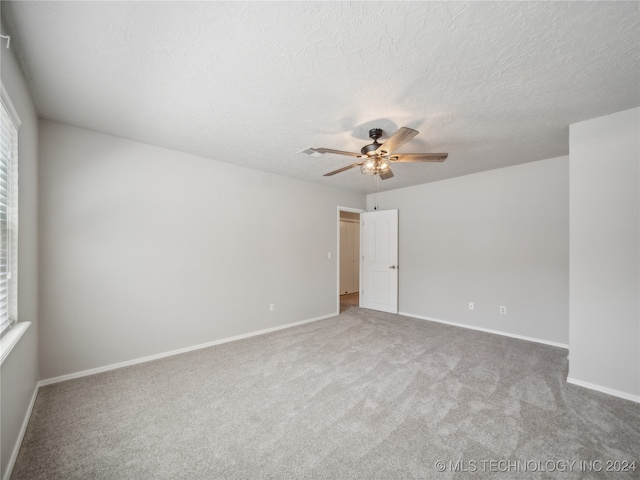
{"x":319,"y":240}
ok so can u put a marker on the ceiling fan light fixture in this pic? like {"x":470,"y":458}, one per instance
{"x":366,"y":170}
{"x":375,"y":158}
{"x":375,"y":166}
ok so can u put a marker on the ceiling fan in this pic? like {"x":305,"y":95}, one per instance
{"x":376,"y":158}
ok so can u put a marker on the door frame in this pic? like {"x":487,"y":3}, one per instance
{"x":342,"y":209}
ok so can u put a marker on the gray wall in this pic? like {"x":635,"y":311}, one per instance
{"x":19,"y":371}
{"x":605,"y":253}
{"x":147,"y":250}
{"x":495,"y":238}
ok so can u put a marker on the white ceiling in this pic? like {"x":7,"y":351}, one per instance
{"x":254,"y":83}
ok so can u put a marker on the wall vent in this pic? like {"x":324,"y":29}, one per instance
{"x":311,"y":151}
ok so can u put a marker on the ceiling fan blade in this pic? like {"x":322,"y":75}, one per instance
{"x":343,"y":169}
{"x":399,"y":138}
{"x":419,"y":157}
{"x":387,"y":174}
{"x":337,"y":152}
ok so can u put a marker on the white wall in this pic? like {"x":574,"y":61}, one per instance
{"x":605,"y":254}
{"x":495,"y":238}
{"x":147,"y":250}
{"x":19,"y":371}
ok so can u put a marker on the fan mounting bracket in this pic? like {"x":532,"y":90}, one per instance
{"x":375,"y":133}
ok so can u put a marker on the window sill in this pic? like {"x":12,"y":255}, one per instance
{"x":10,"y":339}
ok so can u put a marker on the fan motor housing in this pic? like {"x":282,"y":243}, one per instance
{"x":369,"y":150}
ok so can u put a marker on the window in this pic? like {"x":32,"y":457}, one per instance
{"x":8,"y":214}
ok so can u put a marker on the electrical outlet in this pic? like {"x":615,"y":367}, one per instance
{"x":272,"y":307}
{"x":503,"y":310}
{"x":472,"y":306}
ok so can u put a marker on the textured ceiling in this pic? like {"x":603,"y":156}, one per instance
{"x":254,"y":83}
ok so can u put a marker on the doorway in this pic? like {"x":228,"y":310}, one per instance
{"x":348,"y":258}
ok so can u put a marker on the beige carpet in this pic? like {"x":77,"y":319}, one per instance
{"x":364,"y":395}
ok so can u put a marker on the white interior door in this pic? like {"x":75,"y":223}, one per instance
{"x":379,"y":265}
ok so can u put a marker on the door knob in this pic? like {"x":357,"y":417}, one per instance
{"x":393,"y":266}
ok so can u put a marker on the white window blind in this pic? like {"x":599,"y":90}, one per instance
{"x":8,"y":217}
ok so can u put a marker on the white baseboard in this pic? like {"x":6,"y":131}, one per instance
{"x":487,"y":330}
{"x":607,"y":390}
{"x":23,"y":429}
{"x":150,"y":358}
